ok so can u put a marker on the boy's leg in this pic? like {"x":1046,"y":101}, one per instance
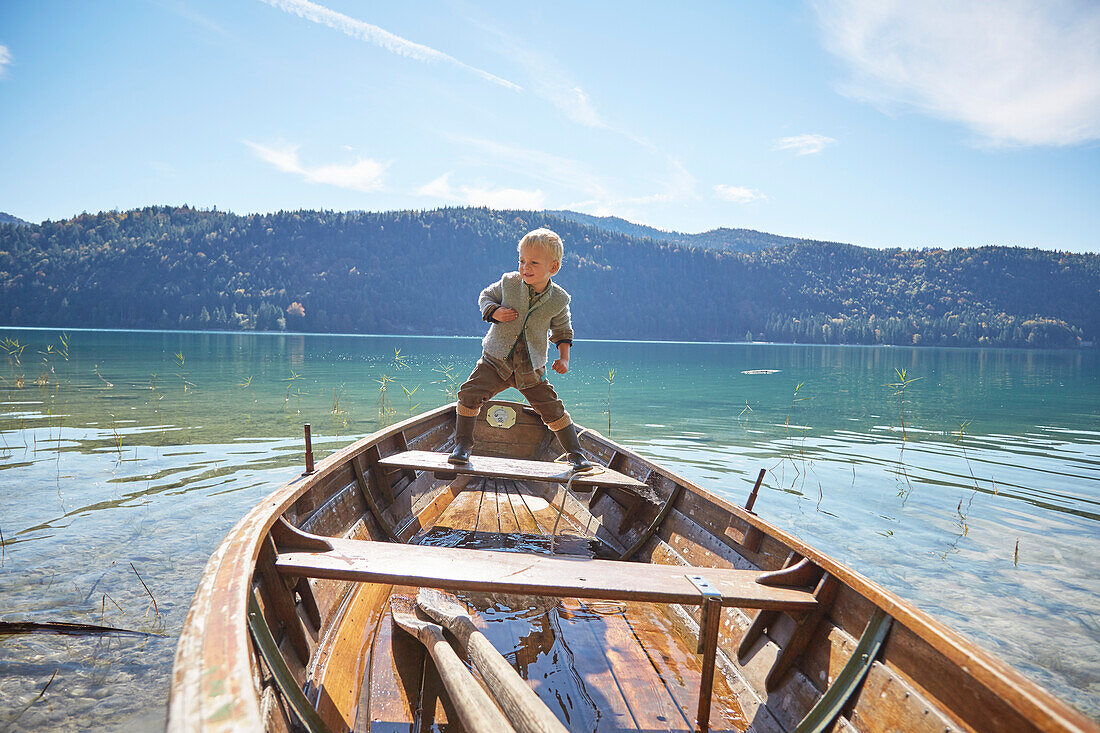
{"x":547,"y":404}
{"x":552,"y":411}
{"x":482,"y":384}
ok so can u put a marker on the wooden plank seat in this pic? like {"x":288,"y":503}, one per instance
{"x":459,"y":569}
{"x":451,"y":568}
{"x":510,"y":468}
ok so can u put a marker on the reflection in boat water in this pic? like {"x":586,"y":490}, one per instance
{"x":558,"y":644}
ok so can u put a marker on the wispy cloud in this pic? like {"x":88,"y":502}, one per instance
{"x":1015,"y":71}
{"x":551,"y":81}
{"x":678,"y":184}
{"x":362,"y":175}
{"x":574,"y":102}
{"x":598,"y":194}
{"x":804,"y":144}
{"x":563,"y":172}
{"x":379,"y":37}
{"x":5,"y":61}
{"x":495,"y":198}
{"x":186,"y":12}
{"x":739,"y":194}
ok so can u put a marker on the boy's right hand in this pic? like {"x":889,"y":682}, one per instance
{"x":505,"y":314}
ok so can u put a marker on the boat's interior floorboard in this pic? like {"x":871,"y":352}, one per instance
{"x":391,"y":692}
{"x":598,"y":665}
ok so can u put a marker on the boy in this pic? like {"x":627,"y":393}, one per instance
{"x":522,"y":307}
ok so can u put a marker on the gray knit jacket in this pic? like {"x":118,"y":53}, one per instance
{"x":550,"y":314}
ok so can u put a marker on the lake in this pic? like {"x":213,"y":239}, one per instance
{"x":966,"y":480}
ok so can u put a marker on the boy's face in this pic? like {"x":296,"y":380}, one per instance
{"x":536,"y":267}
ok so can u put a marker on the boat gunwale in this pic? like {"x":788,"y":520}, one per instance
{"x":998,"y":676}
{"x":200,"y":698}
{"x":211,"y":695}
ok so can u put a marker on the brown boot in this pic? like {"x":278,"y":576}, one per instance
{"x":464,"y":439}
{"x":567,"y":436}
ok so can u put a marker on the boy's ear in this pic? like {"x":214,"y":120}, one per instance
{"x":555,"y":267}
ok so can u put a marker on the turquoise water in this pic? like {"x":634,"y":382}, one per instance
{"x":139,"y":451}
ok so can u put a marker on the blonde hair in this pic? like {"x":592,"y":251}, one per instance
{"x":545,"y":240}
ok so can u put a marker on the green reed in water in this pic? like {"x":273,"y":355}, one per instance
{"x":14,"y":351}
{"x":385,"y":404}
{"x":386,"y":409}
{"x":802,"y":465}
{"x":610,"y":379}
{"x":409,"y":396}
{"x":11,"y":721}
{"x":297,"y":391}
{"x":899,"y":389}
{"x":449,"y":384}
{"x":181,"y":363}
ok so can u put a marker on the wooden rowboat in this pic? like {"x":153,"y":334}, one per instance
{"x":628,"y":599}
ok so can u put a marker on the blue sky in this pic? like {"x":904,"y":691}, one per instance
{"x":932,"y":124}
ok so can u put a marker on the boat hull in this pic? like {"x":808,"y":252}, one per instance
{"x":773,"y":667}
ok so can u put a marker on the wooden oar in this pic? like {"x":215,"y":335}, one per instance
{"x":523,"y":707}
{"x":473,"y":706}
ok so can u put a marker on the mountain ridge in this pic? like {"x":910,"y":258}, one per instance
{"x":6,"y":218}
{"x":420,"y":272}
{"x":725,"y":238}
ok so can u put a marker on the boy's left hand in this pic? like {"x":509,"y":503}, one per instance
{"x":561,"y":366}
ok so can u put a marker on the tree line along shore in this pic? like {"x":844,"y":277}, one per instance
{"x":419,"y":272}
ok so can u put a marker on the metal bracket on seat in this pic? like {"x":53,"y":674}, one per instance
{"x":710,"y":621}
{"x":708,"y":592}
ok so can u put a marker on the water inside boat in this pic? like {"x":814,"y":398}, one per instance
{"x":598,"y":665}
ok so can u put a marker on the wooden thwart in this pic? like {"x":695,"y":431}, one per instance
{"x":510,"y":468}
{"x":452,"y":568}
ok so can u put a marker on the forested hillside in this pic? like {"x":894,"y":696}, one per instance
{"x":734,"y":240}
{"x":6,"y":218}
{"x":420,"y":272}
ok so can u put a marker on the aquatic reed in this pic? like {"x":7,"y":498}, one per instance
{"x":36,"y":698}
{"x":741,"y":414}
{"x":181,"y":362}
{"x":95,"y":368}
{"x":294,"y":376}
{"x":103,"y":605}
{"x":899,"y":389}
{"x":802,"y":465}
{"x":14,"y":351}
{"x":449,"y":383}
{"x":401,"y":362}
{"x":409,"y":395}
{"x":385,"y":406}
{"x":118,"y":442}
{"x":610,"y":379}
{"x":154,"y":600}
{"x":339,"y":410}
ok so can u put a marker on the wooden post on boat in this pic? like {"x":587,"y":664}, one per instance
{"x":755,"y":489}
{"x":472,"y":704}
{"x":523,"y":707}
{"x":309,"y":452}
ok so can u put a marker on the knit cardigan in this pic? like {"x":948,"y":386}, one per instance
{"x":550,"y":314}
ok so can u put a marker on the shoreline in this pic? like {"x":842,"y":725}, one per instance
{"x":82,"y":329}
